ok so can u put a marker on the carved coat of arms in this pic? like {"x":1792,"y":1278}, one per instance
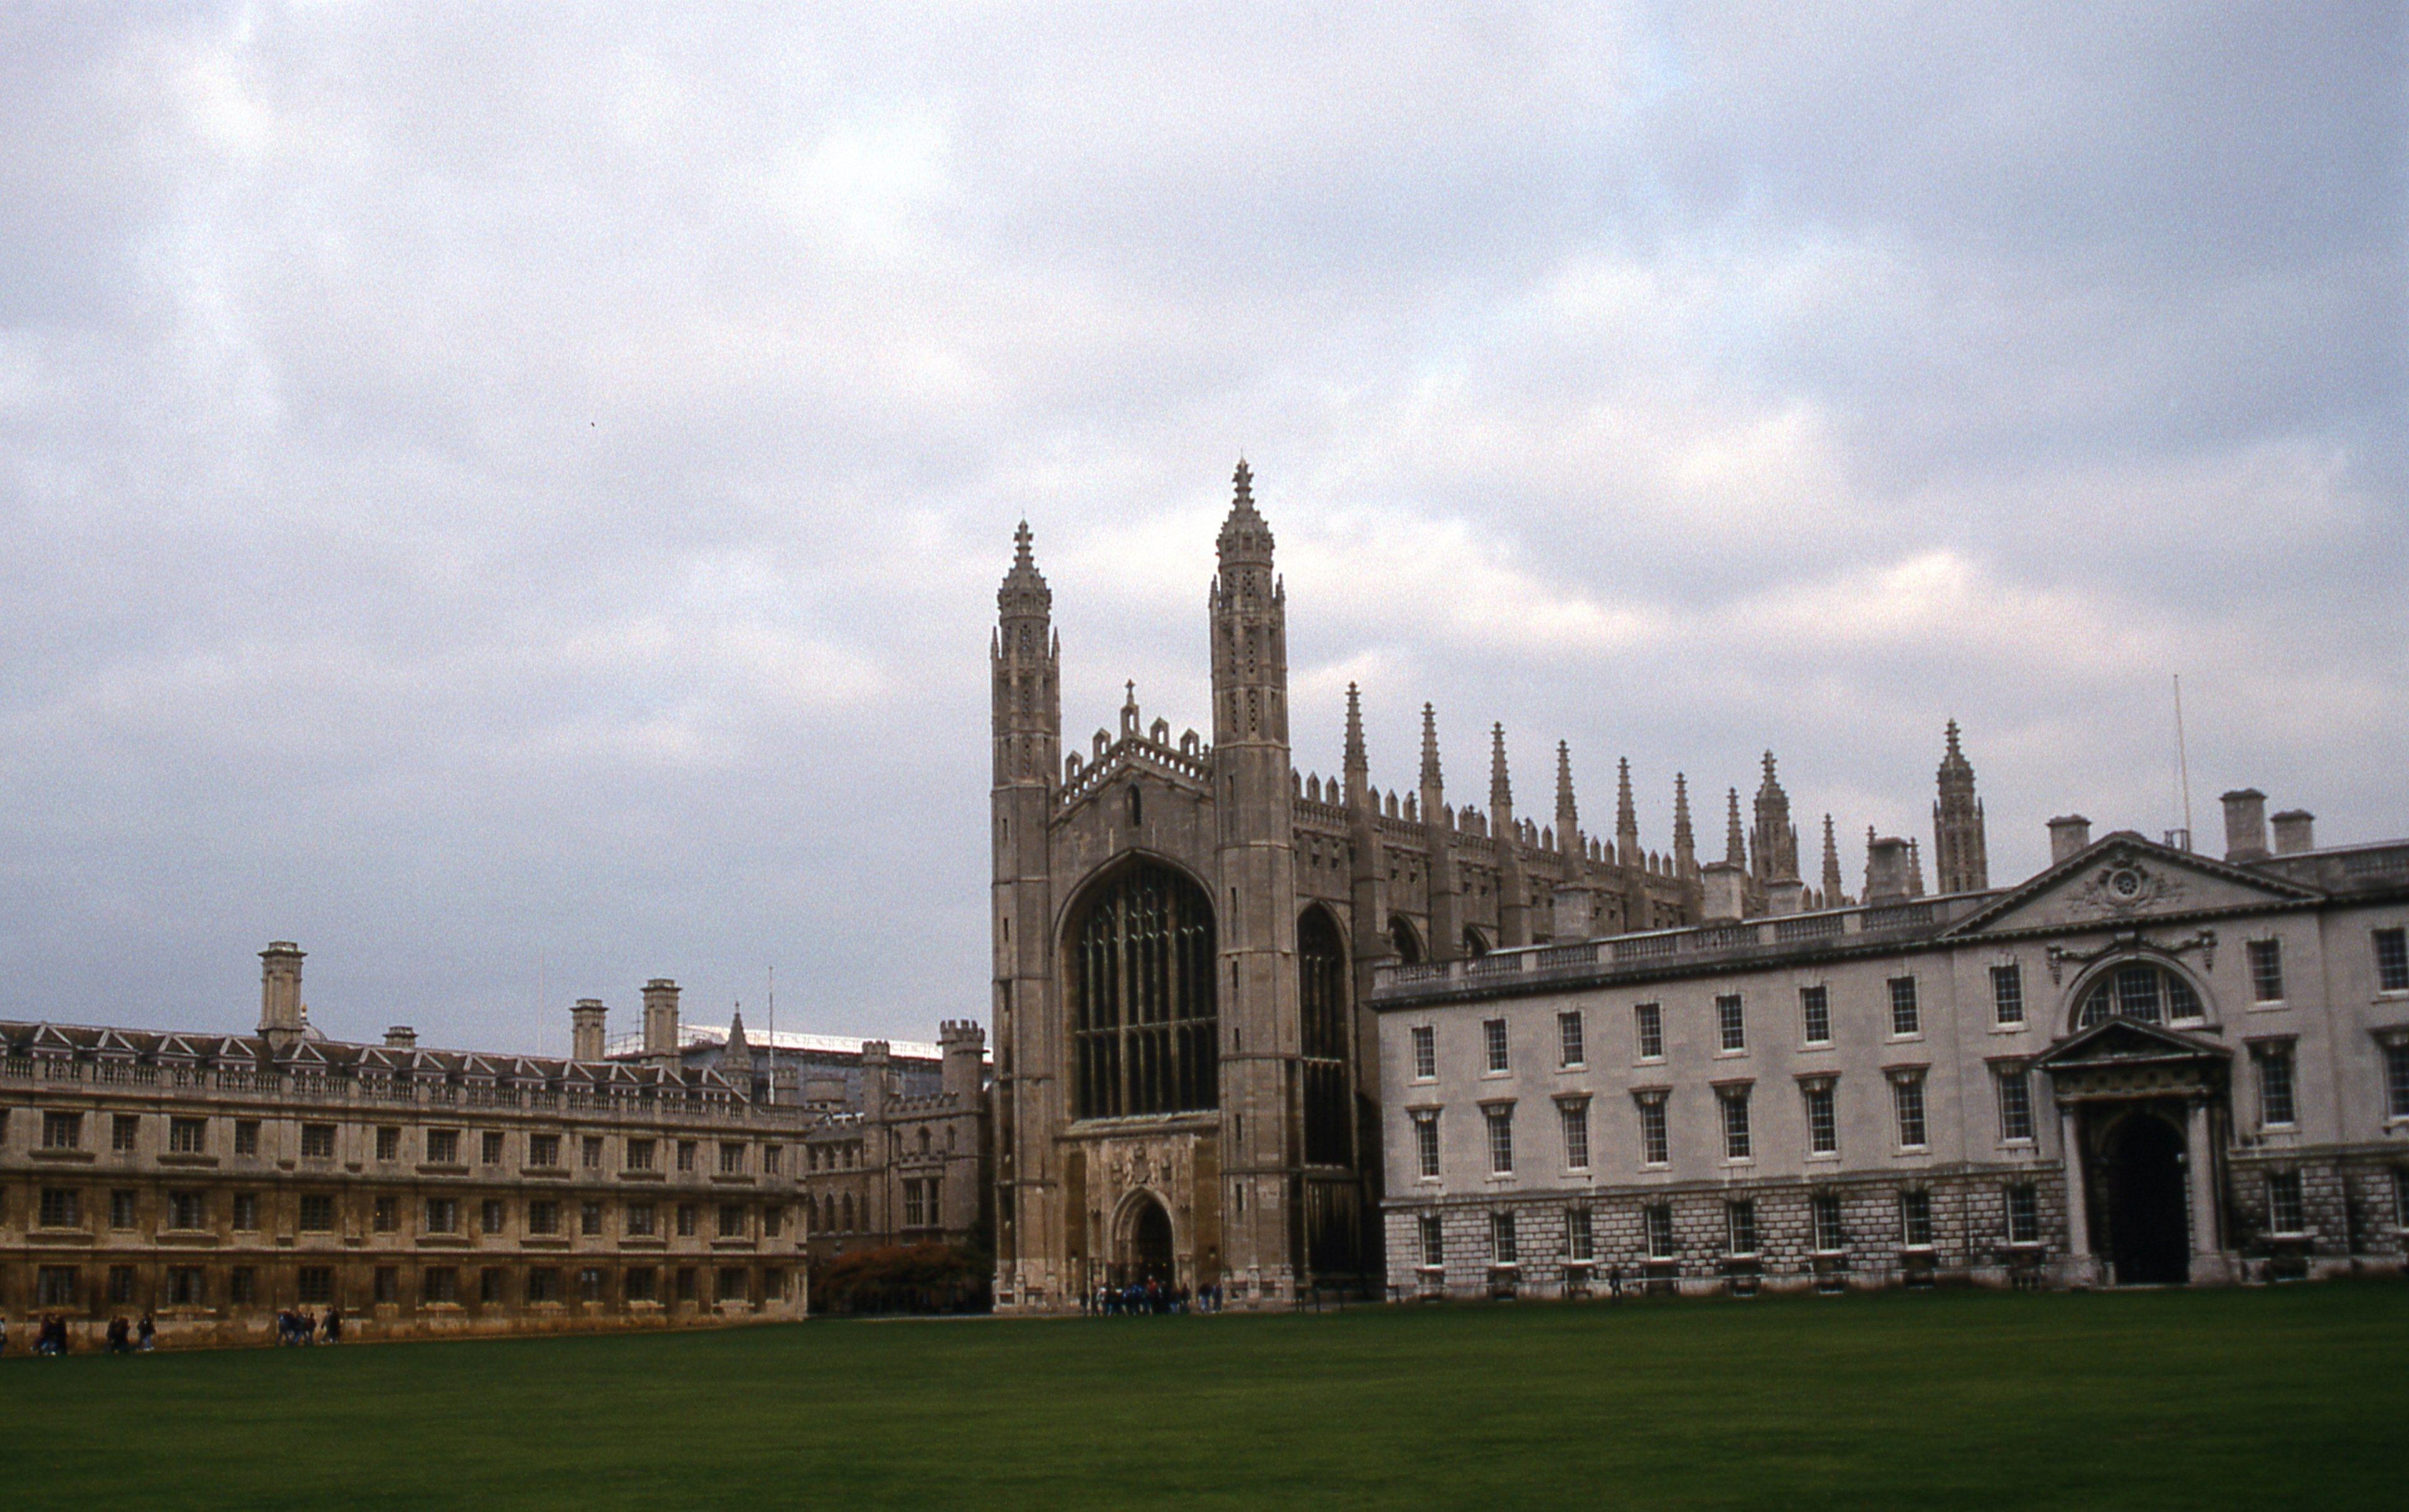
{"x":2125,"y":886}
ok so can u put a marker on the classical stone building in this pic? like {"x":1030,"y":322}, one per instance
{"x":894,"y":1143}
{"x":1185,"y":934}
{"x":2140,"y":1066}
{"x":213,"y":1179}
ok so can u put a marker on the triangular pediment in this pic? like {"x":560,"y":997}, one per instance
{"x":2124,"y":879}
{"x":2127,"y":1041}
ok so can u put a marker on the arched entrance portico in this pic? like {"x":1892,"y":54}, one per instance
{"x":2149,"y":1228}
{"x":1142,"y":1249}
{"x":2142,"y":1117}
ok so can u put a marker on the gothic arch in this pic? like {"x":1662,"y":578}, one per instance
{"x":1405,"y":940}
{"x":1476,"y":944}
{"x":1323,"y":1018}
{"x":1138,"y":974}
{"x":1145,"y":1239}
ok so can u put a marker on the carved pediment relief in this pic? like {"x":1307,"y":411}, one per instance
{"x":2126,"y":879}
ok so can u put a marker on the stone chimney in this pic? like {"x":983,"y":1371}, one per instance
{"x":401,"y":1037}
{"x":661,"y":1018}
{"x":279,"y":993}
{"x":1886,"y":871}
{"x":2295,"y":831}
{"x":2246,"y":825}
{"x":1725,"y":888}
{"x":964,"y":1044}
{"x":2068,"y":834}
{"x":586,"y":1022}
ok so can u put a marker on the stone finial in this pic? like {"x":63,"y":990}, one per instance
{"x":1735,"y":838}
{"x":1686,"y":840}
{"x":1501,"y":786}
{"x":1358,"y":765}
{"x":1567,"y":813}
{"x":1834,"y":886}
{"x":1432,"y":782}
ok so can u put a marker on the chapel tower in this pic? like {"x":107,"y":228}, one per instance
{"x":1025,"y":658}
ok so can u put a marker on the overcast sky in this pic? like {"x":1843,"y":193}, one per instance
{"x":511,"y":499}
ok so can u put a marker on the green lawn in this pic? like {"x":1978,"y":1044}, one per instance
{"x":2294,"y":1396}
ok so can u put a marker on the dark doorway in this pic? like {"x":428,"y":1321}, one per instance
{"x":1149,"y":1251}
{"x":2149,"y":1237}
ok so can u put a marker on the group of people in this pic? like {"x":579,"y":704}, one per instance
{"x":122,"y":1336}
{"x":1150,"y":1296}
{"x":51,"y":1334}
{"x":296,"y":1327}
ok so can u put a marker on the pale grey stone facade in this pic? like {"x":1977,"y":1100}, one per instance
{"x":2223,"y":1046}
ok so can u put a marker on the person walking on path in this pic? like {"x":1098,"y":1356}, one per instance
{"x":118,"y":1332}
{"x":149,"y":1331}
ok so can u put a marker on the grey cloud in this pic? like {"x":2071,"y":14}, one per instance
{"x":514,"y":496}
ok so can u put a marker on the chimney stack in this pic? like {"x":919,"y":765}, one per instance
{"x":661,"y":1018}
{"x":401,"y":1037}
{"x":2246,"y":825}
{"x":2068,"y":834}
{"x":279,"y":993}
{"x":1724,"y":885}
{"x":585,"y":1029}
{"x":1886,"y":871}
{"x":2295,"y":831}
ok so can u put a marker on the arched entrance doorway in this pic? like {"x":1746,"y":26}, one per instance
{"x":2149,"y":1232}
{"x":1146,"y":1244}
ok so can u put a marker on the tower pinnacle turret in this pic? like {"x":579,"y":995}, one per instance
{"x":1501,"y":786}
{"x":1626,"y":817}
{"x":1358,"y":765}
{"x":1568,"y":838}
{"x":1960,"y":858}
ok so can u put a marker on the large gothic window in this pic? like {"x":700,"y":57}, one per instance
{"x":1322,"y":1002}
{"x":2139,"y":989}
{"x":1143,"y":1027}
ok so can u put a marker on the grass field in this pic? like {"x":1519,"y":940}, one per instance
{"x":2288,"y":1397}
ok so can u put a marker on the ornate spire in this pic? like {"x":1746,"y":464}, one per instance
{"x":1024,"y":593}
{"x":1432,"y":783}
{"x":1834,"y":885}
{"x":1735,"y":838}
{"x":1567,"y":813}
{"x":1774,"y":841}
{"x":1685,"y":841}
{"x":1959,"y":853}
{"x":1501,"y":786}
{"x":1246,"y":541}
{"x":1358,"y":765}
{"x":1626,"y":817}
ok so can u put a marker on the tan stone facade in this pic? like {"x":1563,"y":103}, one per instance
{"x":212,"y":1180}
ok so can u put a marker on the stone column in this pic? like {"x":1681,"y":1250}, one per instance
{"x":2210,"y":1265}
{"x":2081,"y":1266}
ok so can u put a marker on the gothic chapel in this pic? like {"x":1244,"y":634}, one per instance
{"x":1185,"y":935}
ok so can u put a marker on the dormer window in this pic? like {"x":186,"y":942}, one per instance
{"x":2139,"y":990}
